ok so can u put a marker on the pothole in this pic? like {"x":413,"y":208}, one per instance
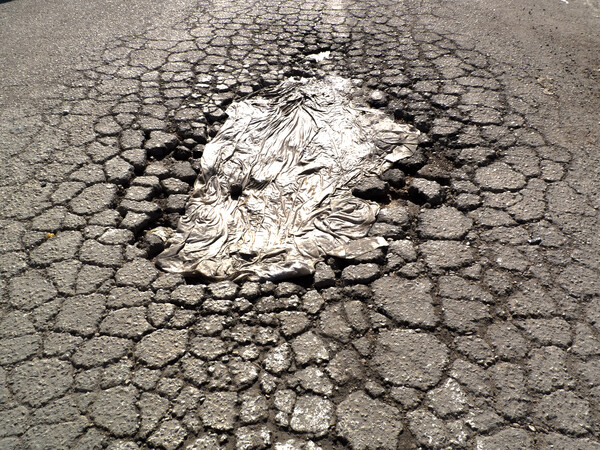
{"x":155,"y":200}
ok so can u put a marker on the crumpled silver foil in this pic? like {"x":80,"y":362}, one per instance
{"x":274,"y":193}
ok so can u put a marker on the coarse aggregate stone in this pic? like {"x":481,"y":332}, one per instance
{"x":101,"y":350}
{"x":36,"y":382}
{"x":114,"y":409}
{"x":476,"y":327}
{"x":400,"y":358}
{"x":161,"y":347}
{"x":312,"y":414}
{"x":443,"y":223}
{"x":219,"y":411}
{"x":367,"y":423}
{"x":404,"y":301}
{"x":81,"y":314}
{"x":426,"y":191}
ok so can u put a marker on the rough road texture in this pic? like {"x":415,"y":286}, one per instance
{"x":477,"y":328}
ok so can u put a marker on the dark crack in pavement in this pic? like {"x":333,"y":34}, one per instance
{"x":478,"y":327}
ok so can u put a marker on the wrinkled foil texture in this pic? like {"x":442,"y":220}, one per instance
{"x":275,"y":190}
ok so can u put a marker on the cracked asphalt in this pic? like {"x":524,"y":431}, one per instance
{"x":477,"y":328}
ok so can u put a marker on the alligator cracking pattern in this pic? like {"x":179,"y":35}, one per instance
{"x":477,"y":327}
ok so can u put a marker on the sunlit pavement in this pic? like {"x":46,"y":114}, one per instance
{"x":477,"y":327}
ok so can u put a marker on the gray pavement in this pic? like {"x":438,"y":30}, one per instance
{"x":478,"y":327}
{"x":43,"y":40}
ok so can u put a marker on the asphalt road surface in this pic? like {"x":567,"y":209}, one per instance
{"x":477,"y":327}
